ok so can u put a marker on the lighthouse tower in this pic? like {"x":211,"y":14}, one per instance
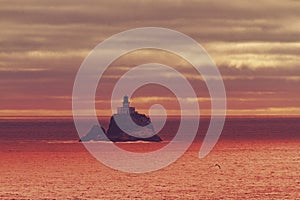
{"x":125,"y":102}
{"x":126,"y":109}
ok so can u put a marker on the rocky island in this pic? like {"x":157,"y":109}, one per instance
{"x":127,"y":120}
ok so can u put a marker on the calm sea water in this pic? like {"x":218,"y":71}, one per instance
{"x":234,"y":129}
{"x":259,"y":159}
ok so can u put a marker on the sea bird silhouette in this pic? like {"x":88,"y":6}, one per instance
{"x":217,"y":165}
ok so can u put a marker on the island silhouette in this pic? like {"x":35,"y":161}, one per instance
{"x":126,"y":120}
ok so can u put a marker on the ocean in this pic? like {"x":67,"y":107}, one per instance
{"x":255,"y":158}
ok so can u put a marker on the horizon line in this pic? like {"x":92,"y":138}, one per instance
{"x":172,"y":116}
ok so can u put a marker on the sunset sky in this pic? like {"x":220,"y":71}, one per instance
{"x":256,"y":46}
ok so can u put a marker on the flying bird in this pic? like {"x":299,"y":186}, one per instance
{"x":217,"y":165}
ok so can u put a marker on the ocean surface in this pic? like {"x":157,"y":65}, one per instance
{"x":255,"y":158}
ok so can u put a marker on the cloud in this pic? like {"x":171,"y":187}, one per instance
{"x":255,"y":45}
{"x":74,"y":24}
{"x":108,"y":11}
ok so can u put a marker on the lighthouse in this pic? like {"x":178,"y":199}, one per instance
{"x":126,"y":109}
{"x":125,"y":102}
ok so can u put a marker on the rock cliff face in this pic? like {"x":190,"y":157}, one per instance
{"x":94,"y":134}
{"x":144,"y":131}
{"x":140,"y":129}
